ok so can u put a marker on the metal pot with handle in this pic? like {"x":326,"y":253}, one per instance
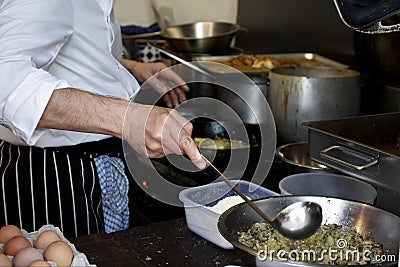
{"x":197,"y":37}
{"x":299,"y":94}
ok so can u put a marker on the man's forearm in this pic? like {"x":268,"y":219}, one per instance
{"x":76,"y":110}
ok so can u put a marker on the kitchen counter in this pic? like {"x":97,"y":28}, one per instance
{"x":168,"y":243}
{"x":162,"y":243}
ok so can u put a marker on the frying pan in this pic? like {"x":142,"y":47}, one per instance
{"x":223,"y":159}
{"x":230,"y":161}
{"x":371,"y":222}
{"x":203,"y":37}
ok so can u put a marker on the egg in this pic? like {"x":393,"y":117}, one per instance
{"x":9,"y":231}
{"x":39,"y":264}
{"x":59,"y":252}
{"x":5,"y":261}
{"x":15,"y":244}
{"x":26,"y":256}
{"x":45,"y":238}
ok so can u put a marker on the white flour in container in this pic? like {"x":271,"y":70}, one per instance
{"x":226,"y":203}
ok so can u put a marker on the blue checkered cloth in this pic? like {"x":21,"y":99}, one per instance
{"x":114,"y":191}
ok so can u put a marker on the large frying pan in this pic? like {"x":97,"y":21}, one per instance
{"x":371,"y":222}
{"x":203,"y":37}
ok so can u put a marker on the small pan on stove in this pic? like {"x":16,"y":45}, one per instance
{"x":231,"y":160}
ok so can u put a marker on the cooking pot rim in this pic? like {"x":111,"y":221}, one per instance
{"x":314,"y":72}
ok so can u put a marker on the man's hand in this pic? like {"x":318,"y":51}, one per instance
{"x":150,"y":130}
{"x":156,"y":132}
{"x":162,"y":83}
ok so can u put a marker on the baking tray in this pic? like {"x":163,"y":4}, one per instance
{"x":304,"y":59}
{"x":364,"y":147}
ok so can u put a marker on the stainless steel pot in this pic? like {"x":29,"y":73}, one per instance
{"x":371,"y":222}
{"x":299,"y":94}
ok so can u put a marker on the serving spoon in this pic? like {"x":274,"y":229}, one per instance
{"x":297,"y":221}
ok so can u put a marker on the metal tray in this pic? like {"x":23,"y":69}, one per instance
{"x":364,"y":147}
{"x":305,"y":59}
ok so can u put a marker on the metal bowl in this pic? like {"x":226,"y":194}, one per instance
{"x":371,"y":222}
{"x":295,"y":155}
{"x":200,"y":37}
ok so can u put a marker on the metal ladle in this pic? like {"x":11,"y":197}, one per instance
{"x":297,"y":221}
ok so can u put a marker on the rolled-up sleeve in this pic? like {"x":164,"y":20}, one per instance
{"x":32,"y":33}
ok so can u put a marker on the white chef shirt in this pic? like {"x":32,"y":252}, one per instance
{"x":49,"y":45}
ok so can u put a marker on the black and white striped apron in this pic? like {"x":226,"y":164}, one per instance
{"x":56,"y":186}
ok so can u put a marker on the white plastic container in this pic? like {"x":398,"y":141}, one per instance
{"x":202,"y":220}
{"x":328,"y":184}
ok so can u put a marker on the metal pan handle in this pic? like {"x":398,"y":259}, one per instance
{"x":369,"y":160}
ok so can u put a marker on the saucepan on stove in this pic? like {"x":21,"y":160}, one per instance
{"x":379,"y":228}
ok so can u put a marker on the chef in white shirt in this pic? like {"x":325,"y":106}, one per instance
{"x":64,"y":92}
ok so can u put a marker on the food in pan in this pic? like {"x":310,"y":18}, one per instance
{"x":329,"y":237}
{"x":219,"y":143}
{"x":256,"y":62}
{"x":243,"y":61}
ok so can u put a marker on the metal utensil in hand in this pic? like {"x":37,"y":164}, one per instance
{"x":297,"y":221}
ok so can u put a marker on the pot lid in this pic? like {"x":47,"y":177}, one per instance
{"x":366,"y":15}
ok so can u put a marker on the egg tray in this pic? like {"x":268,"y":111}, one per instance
{"x":79,"y":260}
